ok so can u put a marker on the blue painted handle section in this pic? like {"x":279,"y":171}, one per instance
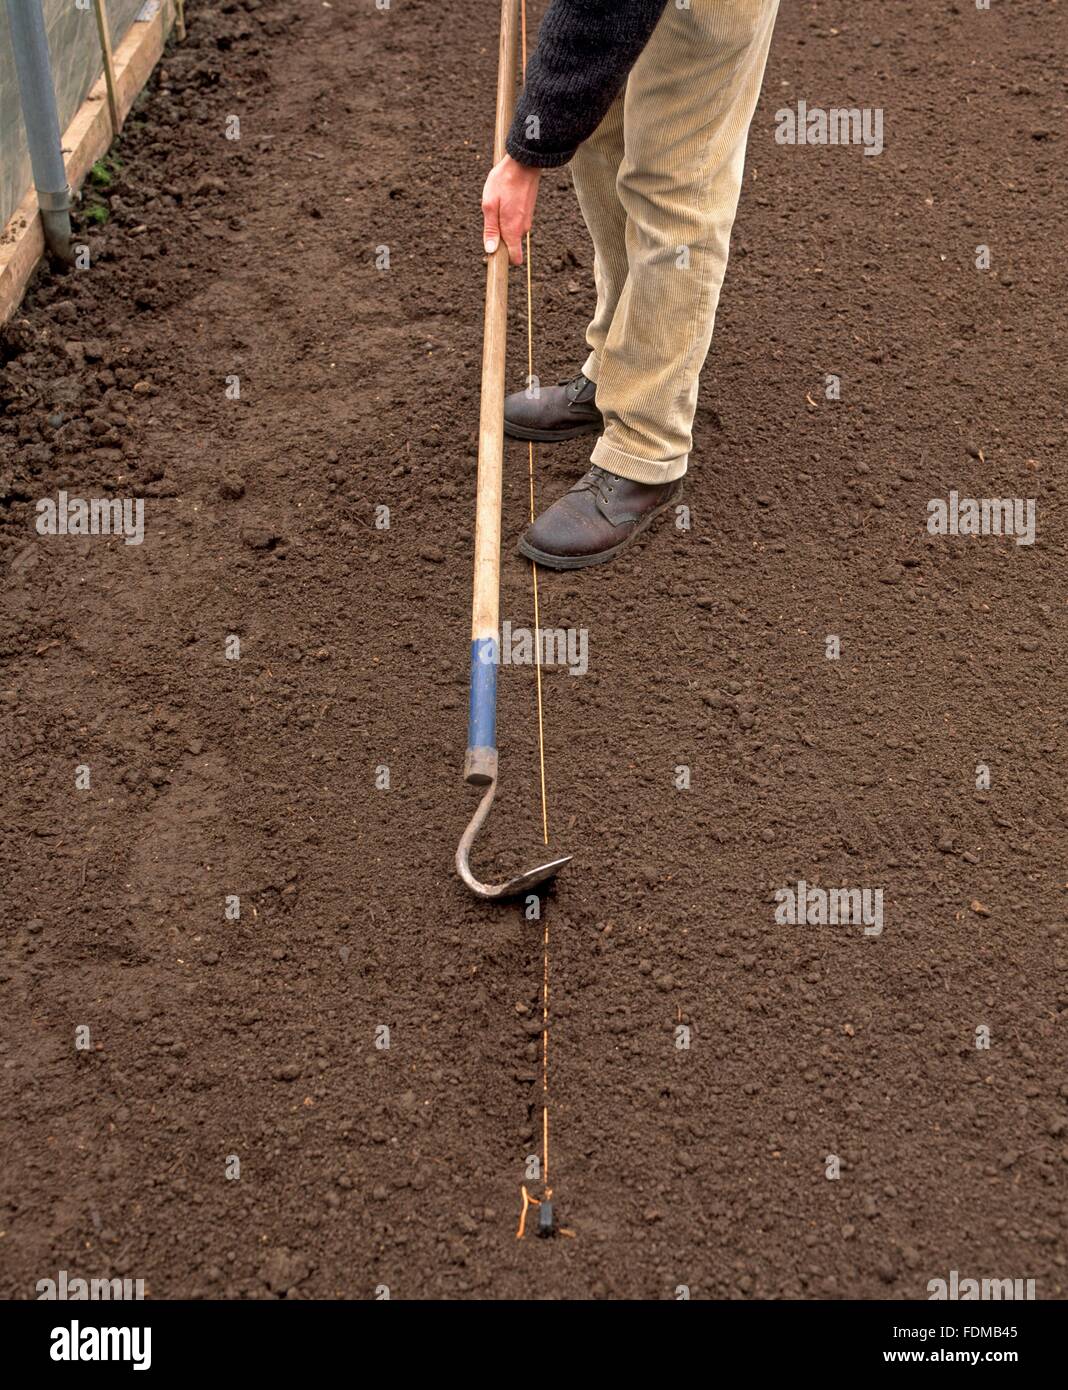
{"x":482,"y":718}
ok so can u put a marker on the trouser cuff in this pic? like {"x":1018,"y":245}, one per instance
{"x":638,"y":470}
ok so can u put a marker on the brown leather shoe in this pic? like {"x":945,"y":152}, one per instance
{"x":556,"y":412}
{"x":597,"y":519}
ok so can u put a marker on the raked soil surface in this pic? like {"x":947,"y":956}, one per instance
{"x":234,"y":1127}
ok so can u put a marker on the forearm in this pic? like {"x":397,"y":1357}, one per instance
{"x":585,"y":50}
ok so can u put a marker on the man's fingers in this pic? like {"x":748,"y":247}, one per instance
{"x":502,"y":220}
{"x":491,"y":231}
{"x":513,"y":236}
{"x":508,"y":198}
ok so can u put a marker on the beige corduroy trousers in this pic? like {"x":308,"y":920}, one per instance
{"x":658,"y":185}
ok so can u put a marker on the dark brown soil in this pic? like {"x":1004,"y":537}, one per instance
{"x":363,"y":1167}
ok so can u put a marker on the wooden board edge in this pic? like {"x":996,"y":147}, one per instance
{"x":86,"y":138}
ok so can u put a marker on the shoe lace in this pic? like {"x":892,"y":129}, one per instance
{"x":596,"y":480}
{"x":575,"y":384}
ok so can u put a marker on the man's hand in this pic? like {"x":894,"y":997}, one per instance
{"x":508,"y":206}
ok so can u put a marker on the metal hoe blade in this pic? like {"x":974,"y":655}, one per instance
{"x":522,"y":882}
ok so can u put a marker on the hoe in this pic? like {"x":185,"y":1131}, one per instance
{"x":481,"y":762}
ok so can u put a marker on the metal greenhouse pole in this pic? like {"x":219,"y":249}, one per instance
{"x":33,"y":64}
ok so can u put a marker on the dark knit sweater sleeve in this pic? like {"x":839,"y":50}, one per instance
{"x":585,"y":50}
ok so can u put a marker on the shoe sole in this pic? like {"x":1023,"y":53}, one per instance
{"x":579,"y":562}
{"x":550,"y":436}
